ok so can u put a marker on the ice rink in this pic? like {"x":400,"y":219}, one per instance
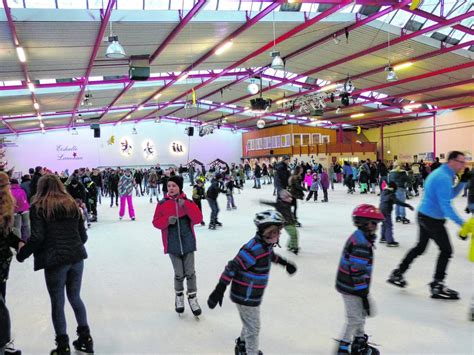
{"x":128,"y":287}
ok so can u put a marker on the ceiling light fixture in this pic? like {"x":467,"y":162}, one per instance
{"x":402,"y":65}
{"x":260,"y":123}
{"x":141,"y":107}
{"x":31,"y":86}
{"x":39,"y":117}
{"x":115,"y":49}
{"x":74,"y":132}
{"x":391,"y":75}
{"x":336,"y":39}
{"x":128,"y":116}
{"x":281,"y":101}
{"x":253,"y":88}
{"x":221,"y":49}
{"x":411,"y":106}
{"x":41,"y":124}
{"x":134,"y":130}
{"x":285,"y":122}
{"x":20,"y":52}
{"x":157,"y":96}
{"x":36,"y":106}
{"x":277,"y":61}
{"x":356,"y":115}
{"x":338,"y":110}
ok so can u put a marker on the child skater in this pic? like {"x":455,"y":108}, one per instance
{"x":283,"y":205}
{"x":199,"y":194}
{"x":175,"y":216}
{"x":313,"y":188}
{"x":387,"y":200}
{"x":324,"y":181}
{"x":353,"y":279}
{"x":249,"y":273}
{"x":229,"y":191}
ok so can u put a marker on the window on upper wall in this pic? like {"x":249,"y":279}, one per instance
{"x":259,"y":143}
{"x":285,"y":141}
{"x":305,"y":139}
{"x":325,"y":139}
{"x":316,"y":138}
{"x":249,"y":144}
{"x":276,"y":141}
{"x":296,"y":140}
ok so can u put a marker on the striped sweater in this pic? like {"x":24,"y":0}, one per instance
{"x":355,"y":267}
{"x":249,"y":272}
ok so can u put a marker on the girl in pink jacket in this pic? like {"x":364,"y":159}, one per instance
{"x":21,"y":224}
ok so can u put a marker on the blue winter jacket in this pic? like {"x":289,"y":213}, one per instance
{"x":439,"y":192}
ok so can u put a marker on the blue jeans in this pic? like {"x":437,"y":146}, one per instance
{"x":257,"y":183}
{"x":387,"y":228}
{"x":401,"y":194}
{"x":214,"y":209}
{"x":69,"y":277}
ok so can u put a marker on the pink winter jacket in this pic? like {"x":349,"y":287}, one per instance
{"x":19,"y":194}
{"x":308,"y":180}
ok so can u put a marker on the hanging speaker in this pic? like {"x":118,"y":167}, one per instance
{"x":97,"y":133}
{"x":189,"y":131}
{"x":139,"y":67}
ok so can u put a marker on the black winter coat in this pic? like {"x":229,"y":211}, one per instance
{"x":7,"y":240}
{"x":79,"y":191}
{"x":54,"y":243}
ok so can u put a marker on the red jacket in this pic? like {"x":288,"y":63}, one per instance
{"x":178,"y":238}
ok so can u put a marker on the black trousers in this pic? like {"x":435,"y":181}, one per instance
{"x":113,"y":191}
{"x":4,"y":324}
{"x":325,"y":193}
{"x":434,"y":229}
{"x":311,"y":193}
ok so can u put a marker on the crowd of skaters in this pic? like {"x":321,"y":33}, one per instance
{"x":69,"y":206}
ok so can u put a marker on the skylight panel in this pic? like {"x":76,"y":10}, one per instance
{"x":401,"y":18}
{"x":157,"y":4}
{"x":97,"y":4}
{"x":211,"y":5}
{"x":129,"y":4}
{"x":448,"y":6}
{"x":229,"y":5}
{"x":467,"y":38}
{"x":72,"y":4}
{"x":307,"y":8}
{"x":47,"y":81}
{"x":14,"y":3}
{"x":459,"y":10}
{"x":40,"y":4}
{"x":13,"y":83}
{"x":429,"y":5}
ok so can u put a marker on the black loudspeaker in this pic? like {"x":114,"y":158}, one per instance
{"x":97,"y":133}
{"x":190,"y":131}
{"x":139,"y":67}
{"x":271,"y":151}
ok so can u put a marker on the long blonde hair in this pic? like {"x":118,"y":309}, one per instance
{"x":52,"y":200}
{"x":7,"y":202}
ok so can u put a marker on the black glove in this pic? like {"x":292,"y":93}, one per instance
{"x":290,"y":268}
{"x":216,"y":296}
{"x":411,"y":208}
{"x":366,"y":304}
{"x":467,"y":210}
{"x":465,"y":177}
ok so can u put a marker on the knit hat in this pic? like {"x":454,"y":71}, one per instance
{"x":178,"y":180}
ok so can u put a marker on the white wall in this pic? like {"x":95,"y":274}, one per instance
{"x":59,"y":150}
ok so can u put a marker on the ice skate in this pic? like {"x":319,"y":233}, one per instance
{"x":440,"y":291}
{"x":393,"y":244}
{"x":360,"y":346}
{"x":383,"y":240}
{"x":203,"y":223}
{"x":179,"y":303}
{"x":62,"y":342}
{"x":240,"y":347}
{"x":398,"y":219}
{"x":298,"y":224}
{"x":194,"y":305}
{"x":218,"y":224}
{"x":9,"y":349}
{"x":294,"y":250}
{"x":405,"y":220}
{"x":84,"y":341}
{"x":212,"y":225}
{"x":397,"y":279}
{"x":343,"y":347}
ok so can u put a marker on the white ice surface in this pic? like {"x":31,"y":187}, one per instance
{"x":128,"y":288}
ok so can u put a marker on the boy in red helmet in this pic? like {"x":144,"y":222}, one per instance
{"x":353,"y":279}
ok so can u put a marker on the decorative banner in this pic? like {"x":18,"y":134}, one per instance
{"x":111,"y":140}
{"x":126,"y":147}
{"x":67,"y":152}
{"x":177,"y":148}
{"x":149,"y":150}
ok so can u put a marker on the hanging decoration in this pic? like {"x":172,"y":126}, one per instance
{"x":126,"y":147}
{"x":414,"y":4}
{"x":149,"y":150}
{"x":111,"y":140}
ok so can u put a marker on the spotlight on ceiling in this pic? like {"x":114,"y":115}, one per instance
{"x":277,"y":62}
{"x":74,"y":132}
{"x":158,"y":120}
{"x":115,"y":49}
{"x":338,"y":110}
{"x":391,"y":75}
{"x":260,"y":123}
{"x":285,"y":122}
{"x":336,"y":39}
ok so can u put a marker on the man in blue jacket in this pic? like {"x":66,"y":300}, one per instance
{"x":432,"y":213}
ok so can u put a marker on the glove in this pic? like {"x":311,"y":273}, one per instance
{"x":466,"y":229}
{"x":465,"y":177}
{"x":172,"y":219}
{"x":366,"y":304}
{"x":216,"y":296}
{"x":290,"y":268}
{"x":467,"y":210}
{"x":411,"y":208}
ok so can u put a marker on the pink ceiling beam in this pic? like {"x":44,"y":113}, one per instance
{"x":329,"y":37}
{"x":404,"y":115}
{"x":250,"y":22}
{"x":438,"y":19}
{"x":337,"y":2}
{"x":124,"y":80}
{"x":95,"y":51}
{"x":183,"y":22}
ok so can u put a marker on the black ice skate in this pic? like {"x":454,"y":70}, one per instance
{"x":393,"y":244}
{"x":360,"y":346}
{"x":218,"y":224}
{"x":398,"y":219}
{"x":439,"y":291}
{"x":212,"y":225}
{"x":397,"y":279}
{"x":62,"y":342}
{"x":84,"y":342}
{"x":294,"y":250}
{"x":194,"y":305}
{"x":179,"y":303}
{"x":405,"y":220}
{"x":9,"y":349}
{"x":240,"y":347}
